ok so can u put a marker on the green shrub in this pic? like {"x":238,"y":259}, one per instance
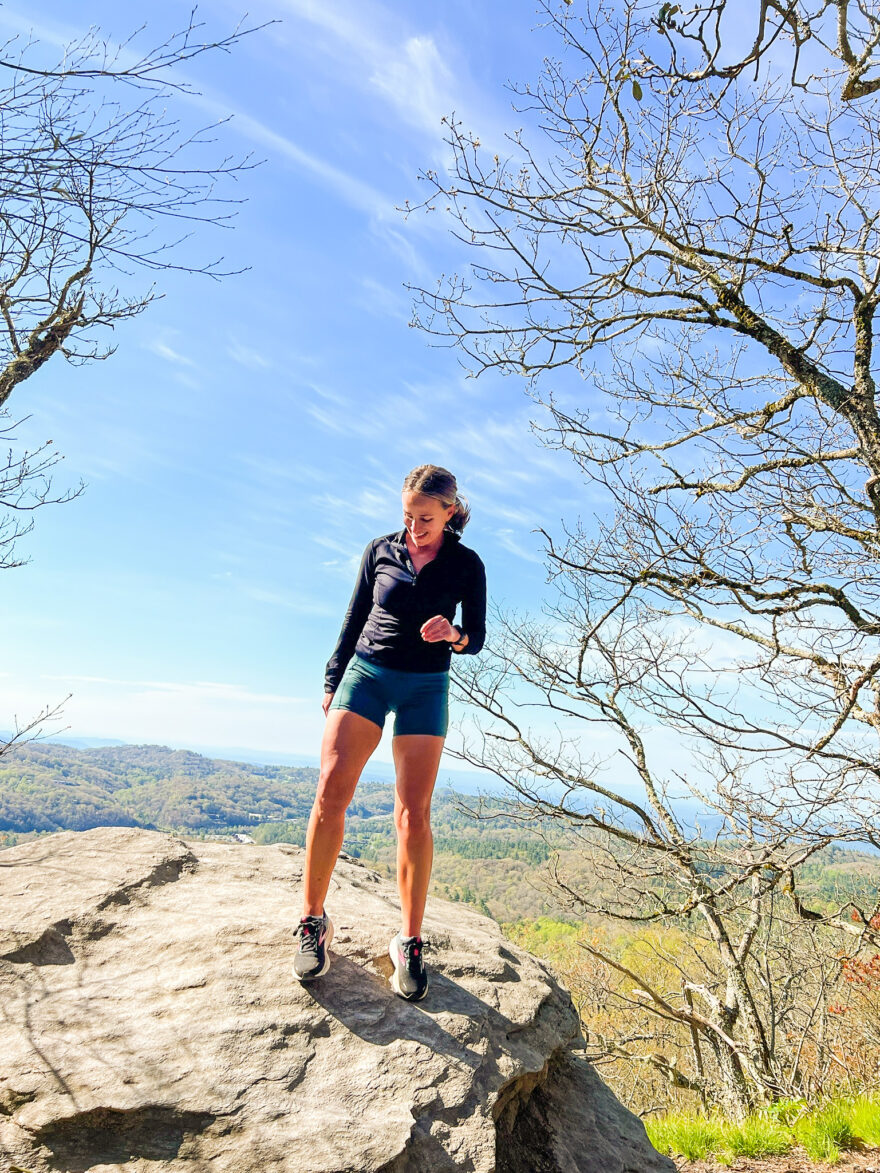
{"x":787,"y":1111}
{"x":823,"y":1132}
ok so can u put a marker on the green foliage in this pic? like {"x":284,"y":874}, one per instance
{"x":666,"y":14}
{"x":554,"y":940}
{"x":494,"y":866}
{"x":787,"y":1111}
{"x":543,"y":934}
{"x":284,"y":832}
{"x":58,"y":788}
{"x":483,"y":845}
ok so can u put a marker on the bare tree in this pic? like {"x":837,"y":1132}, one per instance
{"x":803,"y":33}
{"x":25,"y":486}
{"x":34,"y":728}
{"x":703,"y":254}
{"x":102,"y":191}
{"x":98,"y":183}
{"x":705,"y":852}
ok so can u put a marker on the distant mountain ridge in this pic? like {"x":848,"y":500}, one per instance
{"x":73,"y":742}
{"x":496,"y":864}
{"x":50,"y":787}
{"x":47,"y":786}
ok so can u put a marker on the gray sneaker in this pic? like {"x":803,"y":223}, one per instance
{"x":410,"y":978}
{"x":312,"y":959}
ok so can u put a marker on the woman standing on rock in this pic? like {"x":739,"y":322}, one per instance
{"x":393,"y":653}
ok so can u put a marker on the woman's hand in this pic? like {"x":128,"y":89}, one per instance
{"x":439,"y":628}
{"x":325,"y":703}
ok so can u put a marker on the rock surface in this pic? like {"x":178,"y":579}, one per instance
{"x":149,"y":1022}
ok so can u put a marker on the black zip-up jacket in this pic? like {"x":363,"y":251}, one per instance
{"x":391,"y":602}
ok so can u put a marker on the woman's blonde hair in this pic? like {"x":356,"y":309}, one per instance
{"x":432,"y":481}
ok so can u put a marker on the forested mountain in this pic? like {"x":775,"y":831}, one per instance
{"x":51,"y":787}
{"x":495,"y":864}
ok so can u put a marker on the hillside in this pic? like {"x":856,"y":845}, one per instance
{"x":60,"y":788}
{"x":495,"y":864}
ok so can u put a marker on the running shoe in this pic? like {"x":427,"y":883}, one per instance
{"x":312,"y":959}
{"x":410,"y":978}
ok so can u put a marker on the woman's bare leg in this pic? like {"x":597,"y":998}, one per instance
{"x":416,"y":761}
{"x":349,"y":739}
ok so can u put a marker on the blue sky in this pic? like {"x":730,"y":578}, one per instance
{"x":249,"y":437}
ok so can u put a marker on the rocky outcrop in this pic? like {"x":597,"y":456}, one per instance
{"x":149,"y":1022}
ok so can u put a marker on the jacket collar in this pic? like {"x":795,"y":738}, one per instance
{"x":450,"y":541}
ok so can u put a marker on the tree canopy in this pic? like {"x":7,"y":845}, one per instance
{"x":679,"y":252}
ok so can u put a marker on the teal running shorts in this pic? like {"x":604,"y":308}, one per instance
{"x":419,"y":700}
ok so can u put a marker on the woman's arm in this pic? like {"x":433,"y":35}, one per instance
{"x":353,"y":623}
{"x":472,"y":628}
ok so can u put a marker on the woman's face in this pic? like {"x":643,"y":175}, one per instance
{"x":425,"y":518}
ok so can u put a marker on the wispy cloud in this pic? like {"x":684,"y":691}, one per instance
{"x":522,"y":518}
{"x":57,"y":35}
{"x":377,"y":505}
{"x":246,"y":356}
{"x":379,"y":299}
{"x":204,"y":689}
{"x":511,"y":542}
{"x":329,"y":420}
{"x":496,"y":480}
{"x":349,"y":553}
{"x":117,"y":452}
{"x":188,"y":381}
{"x":169,"y":353}
{"x":413,"y":414}
{"x":185,"y":712}
{"x":410,"y":73}
{"x":291,"y":602}
{"x":350,"y":188}
{"x":275,"y":473}
{"x":418,"y":82}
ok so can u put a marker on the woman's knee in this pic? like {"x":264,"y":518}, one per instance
{"x":333,"y":795}
{"x":413,"y":820}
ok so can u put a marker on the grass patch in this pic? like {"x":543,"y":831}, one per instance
{"x":757,"y":1136}
{"x":864,"y":1115}
{"x":824,"y":1132}
{"x":685,"y":1134}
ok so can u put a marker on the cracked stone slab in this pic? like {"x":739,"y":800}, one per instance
{"x":150,"y":1022}
{"x":51,"y":882}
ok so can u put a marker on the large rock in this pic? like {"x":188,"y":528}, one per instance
{"x":149,"y":1022}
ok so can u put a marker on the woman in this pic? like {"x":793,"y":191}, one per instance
{"x":393,"y":653}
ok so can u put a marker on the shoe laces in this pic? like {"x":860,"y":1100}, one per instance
{"x":412,"y":952}
{"x":308,"y":931}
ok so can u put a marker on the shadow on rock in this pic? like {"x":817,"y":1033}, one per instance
{"x":363,"y":1002}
